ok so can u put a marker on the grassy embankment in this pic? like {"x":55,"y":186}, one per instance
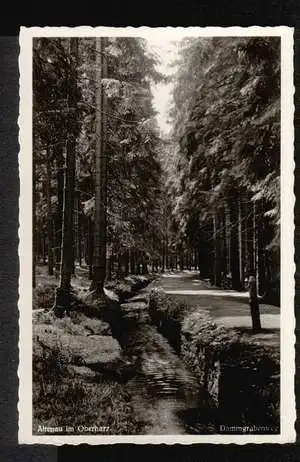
{"x":78,"y":368}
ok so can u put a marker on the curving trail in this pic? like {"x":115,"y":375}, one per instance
{"x":228,"y":307}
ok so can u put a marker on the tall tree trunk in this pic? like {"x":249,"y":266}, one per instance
{"x":34,"y":224}
{"x":90,"y":235}
{"x":234,"y":245}
{"x":227,"y":233}
{"x":167,"y":259}
{"x":144,"y":265}
{"x":109,"y":267}
{"x":62,"y":301}
{"x":44,"y":245}
{"x":126,"y":258}
{"x":77,"y":233}
{"x":49,"y":213}
{"x":250,"y":240}
{"x":224,"y":250}
{"x":255,"y":250}
{"x":195,"y":259}
{"x":240,"y":237}
{"x":60,"y":199}
{"x":244,"y":239}
{"x":79,"y":224}
{"x":181,"y":259}
{"x":132,"y":262}
{"x":217,"y":250}
{"x":254,"y":305}
{"x":261,"y":252}
{"x":99,"y":262}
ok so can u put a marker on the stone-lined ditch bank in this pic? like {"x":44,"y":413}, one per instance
{"x":239,"y":373}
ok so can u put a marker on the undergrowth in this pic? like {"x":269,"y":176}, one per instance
{"x":62,"y":398}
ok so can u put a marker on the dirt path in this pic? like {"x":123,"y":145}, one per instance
{"x":228,"y":307}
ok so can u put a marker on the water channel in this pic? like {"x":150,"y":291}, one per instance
{"x":166,"y":394}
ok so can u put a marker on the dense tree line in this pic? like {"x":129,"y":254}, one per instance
{"x":224,"y":176}
{"x":95,"y":135}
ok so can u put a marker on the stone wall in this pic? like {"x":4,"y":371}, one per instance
{"x":241,"y":377}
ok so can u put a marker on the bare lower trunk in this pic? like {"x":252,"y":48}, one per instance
{"x":234,"y":245}
{"x":217,"y":250}
{"x":59,"y":208}
{"x":62,"y":301}
{"x":34,"y":231}
{"x":99,"y":260}
{"x":254,"y":305}
{"x":240,"y":245}
{"x":90,"y":247}
{"x":49,"y":214}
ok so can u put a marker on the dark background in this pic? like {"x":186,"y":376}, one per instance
{"x":176,"y":13}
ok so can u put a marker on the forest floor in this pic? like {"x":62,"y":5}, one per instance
{"x":78,"y":366}
{"x":143,"y":387}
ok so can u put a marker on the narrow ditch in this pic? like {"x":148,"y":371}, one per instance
{"x":166,"y":394}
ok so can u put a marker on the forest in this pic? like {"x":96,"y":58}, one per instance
{"x":114,"y":195}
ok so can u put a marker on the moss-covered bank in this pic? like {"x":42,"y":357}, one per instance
{"x":239,"y":371}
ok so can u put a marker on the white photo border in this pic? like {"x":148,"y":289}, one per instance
{"x":287,"y":317}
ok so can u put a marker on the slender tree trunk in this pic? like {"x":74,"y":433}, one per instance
{"x":76,"y":227}
{"x":195,"y":259}
{"x":44,"y":246}
{"x":224,"y":269}
{"x":38,"y":243}
{"x":245,"y":240}
{"x":62,"y":301}
{"x":120,"y":265}
{"x":227,"y":232}
{"x":34,"y":224}
{"x":99,"y":262}
{"x":59,"y":208}
{"x":255,"y":252}
{"x":79,"y":229}
{"x":217,"y":250}
{"x":261,"y":253}
{"x":139,"y":261}
{"x":109,"y":265}
{"x":129,"y":261}
{"x":167,"y":262}
{"x":250,"y":240}
{"x":241,"y":266}
{"x":75,"y":235}
{"x":67,"y":229}
{"x":254,"y":305}
{"x":126,"y":263}
{"x":234,"y":245}
{"x":199,"y":259}
{"x":90,"y":235}
{"x":181,"y":259}
{"x":132,"y":262}
{"x":49,"y":213}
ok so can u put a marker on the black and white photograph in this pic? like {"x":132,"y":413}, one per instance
{"x":156,"y":235}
